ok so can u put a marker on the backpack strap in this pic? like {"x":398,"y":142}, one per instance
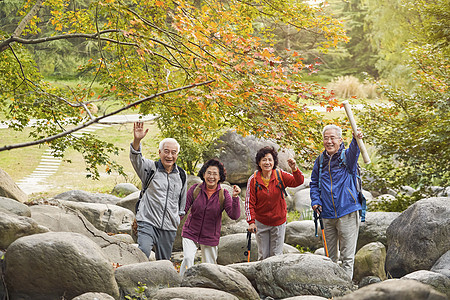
{"x":257,"y":185}
{"x":280,"y":184}
{"x":145,"y":185}
{"x":197,"y":190}
{"x":320,"y":171}
{"x":221,"y":199}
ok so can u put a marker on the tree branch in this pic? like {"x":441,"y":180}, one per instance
{"x":96,"y":120}
{"x":12,"y":39}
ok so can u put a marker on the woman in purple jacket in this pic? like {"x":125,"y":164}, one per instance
{"x":204,"y":221}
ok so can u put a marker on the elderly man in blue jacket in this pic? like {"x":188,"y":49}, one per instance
{"x":336,"y":197}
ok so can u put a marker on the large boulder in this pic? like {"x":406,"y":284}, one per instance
{"x":9,"y":189}
{"x":302,"y":200}
{"x":154,"y":275}
{"x":302,"y":233}
{"x":129,"y":201}
{"x":14,"y":206}
{"x":60,"y":220}
{"x":369,"y":261}
{"x":438,"y":281}
{"x":248,"y":269}
{"x":105,"y":217}
{"x":238,"y":155}
{"x":125,"y":189}
{"x":442,"y":265}
{"x":374,"y":228}
{"x":232,"y":247}
{"x":220,"y":278}
{"x":193,"y":293}
{"x":418,"y":237}
{"x":13,"y":227}
{"x":291,"y":275}
{"x":83,"y":196}
{"x":94,"y":296}
{"x":395,"y":289}
{"x":53,"y":265}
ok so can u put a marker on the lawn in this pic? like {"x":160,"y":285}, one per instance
{"x":21,"y":162}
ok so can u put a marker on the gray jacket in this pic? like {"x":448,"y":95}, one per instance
{"x":165,"y":197}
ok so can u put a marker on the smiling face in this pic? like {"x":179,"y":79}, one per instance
{"x":211,"y":177}
{"x":168,"y":155}
{"x":331,"y":141}
{"x":266,"y":163}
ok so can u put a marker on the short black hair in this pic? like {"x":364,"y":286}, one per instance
{"x":262,"y":152}
{"x":214,"y":162}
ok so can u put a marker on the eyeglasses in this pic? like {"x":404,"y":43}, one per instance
{"x":331,"y":138}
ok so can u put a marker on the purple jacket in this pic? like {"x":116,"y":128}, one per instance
{"x":205,"y":220}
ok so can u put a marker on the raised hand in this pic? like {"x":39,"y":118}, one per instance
{"x":139,"y":132}
{"x":292,"y":164}
{"x":236,"y":190}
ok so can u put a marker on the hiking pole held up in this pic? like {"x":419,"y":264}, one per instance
{"x":362,"y":147}
{"x":249,"y":245}
{"x":318,"y":216}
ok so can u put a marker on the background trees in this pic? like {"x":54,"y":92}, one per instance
{"x":215,"y":57}
{"x":412,"y":133}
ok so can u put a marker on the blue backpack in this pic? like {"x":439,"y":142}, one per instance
{"x":358,"y":181}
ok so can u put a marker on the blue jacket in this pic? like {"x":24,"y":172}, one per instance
{"x":338,"y":196}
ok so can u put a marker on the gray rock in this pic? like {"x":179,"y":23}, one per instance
{"x":94,"y":296}
{"x":56,"y":264}
{"x":369,"y":261}
{"x":13,"y":227}
{"x":232,"y":247}
{"x":60,"y":220}
{"x":14,"y":206}
{"x":238,"y":155}
{"x":302,"y":200}
{"x":302,"y":233}
{"x":105,"y":217}
{"x":418,"y":237}
{"x":129,"y":202}
{"x":438,"y":281}
{"x":221,"y":278}
{"x":395,"y":289}
{"x":248,"y":269}
{"x":374,"y":228}
{"x":153,"y":275}
{"x":82,"y":196}
{"x":192,"y":293}
{"x":368,"y":280}
{"x":125,"y":189}
{"x":442,"y":265}
{"x":301,"y":274}
{"x":305,"y":297}
{"x":9,"y":189}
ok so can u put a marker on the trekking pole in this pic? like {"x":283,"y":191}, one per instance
{"x":319,"y":216}
{"x":362,"y":147}
{"x":249,"y":245}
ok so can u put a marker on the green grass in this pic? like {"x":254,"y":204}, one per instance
{"x":19,"y":163}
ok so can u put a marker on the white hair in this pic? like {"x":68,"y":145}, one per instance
{"x":169,"y":140}
{"x":332,"y":127}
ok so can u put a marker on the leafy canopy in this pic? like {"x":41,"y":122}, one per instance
{"x":412,"y":134}
{"x":201,"y":66}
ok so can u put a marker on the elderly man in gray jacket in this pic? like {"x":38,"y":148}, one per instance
{"x":164,"y":199}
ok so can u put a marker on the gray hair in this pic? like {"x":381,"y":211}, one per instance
{"x":332,"y":127}
{"x":169,"y":140}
